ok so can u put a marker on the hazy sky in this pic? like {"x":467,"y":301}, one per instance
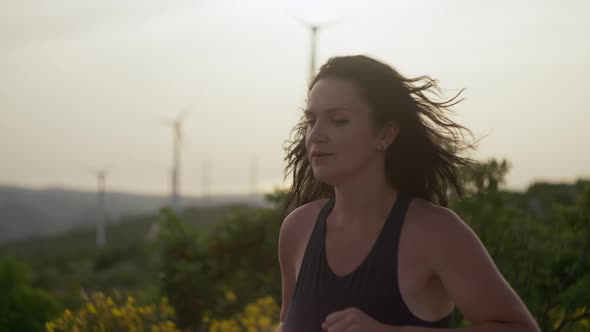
{"x":88,"y":84}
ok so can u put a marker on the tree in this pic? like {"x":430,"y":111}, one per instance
{"x":544,"y":256}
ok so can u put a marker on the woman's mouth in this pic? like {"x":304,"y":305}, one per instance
{"x":320,"y":155}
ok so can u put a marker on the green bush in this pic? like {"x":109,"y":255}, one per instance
{"x":22,"y":307}
{"x":199,"y":266}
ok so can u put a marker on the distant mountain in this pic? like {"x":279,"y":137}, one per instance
{"x":29,"y":212}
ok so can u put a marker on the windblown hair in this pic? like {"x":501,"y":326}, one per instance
{"x":424,"y":159}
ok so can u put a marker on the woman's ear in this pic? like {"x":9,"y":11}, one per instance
{"x":388,"y":134}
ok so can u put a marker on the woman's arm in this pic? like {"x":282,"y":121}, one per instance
{"x":471,"y":279}
{"x":294,"y":234}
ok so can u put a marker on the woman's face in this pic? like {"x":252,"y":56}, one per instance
{"x":341,"y":139}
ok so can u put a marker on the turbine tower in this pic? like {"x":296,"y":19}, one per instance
{"x":206,"y":181}
{"x":314,"y":30}
{"x":176,"y":160}
{"x":101,"y":234}
{"x":253,"y":178}
{"x":102,"y":215}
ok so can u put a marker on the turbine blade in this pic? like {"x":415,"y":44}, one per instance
{"x":300,"y":20}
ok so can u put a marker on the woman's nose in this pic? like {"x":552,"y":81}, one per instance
{"x":317,"y":133}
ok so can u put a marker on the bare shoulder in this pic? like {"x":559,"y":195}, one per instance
{"x":293,"y":237}
{"x":436,"y":223}
{"x":296,"y":230}
{"x":437,"y":228}
{"x":300,"y":222}
{"x":303,"y":213}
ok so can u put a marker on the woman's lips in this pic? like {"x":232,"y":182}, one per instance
{"x":320,"y":156}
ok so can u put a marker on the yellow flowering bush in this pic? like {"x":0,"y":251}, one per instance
{"x":573,"y":322}
{"x":260,"y":316}
{"x":101,"y":313}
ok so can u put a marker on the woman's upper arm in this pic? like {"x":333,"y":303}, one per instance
{"x":286,"y":263}
{"x":470,"y":276}
{"x":294,"y":235}
{"x":289,"y":243}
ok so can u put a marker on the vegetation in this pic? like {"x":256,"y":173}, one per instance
{"x":101,"y":313}
{"x":22,"y":307}
{"x":218,"y":270}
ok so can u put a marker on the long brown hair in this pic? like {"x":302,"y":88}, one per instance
{"x":424,"y":158}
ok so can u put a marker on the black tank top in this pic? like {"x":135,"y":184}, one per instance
{"x":372,"y":287}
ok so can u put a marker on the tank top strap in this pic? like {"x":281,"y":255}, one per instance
{"x":314,"y":249}
{"x":396,"y":217}
{"x":387,"y":248}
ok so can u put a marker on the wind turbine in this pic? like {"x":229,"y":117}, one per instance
{"x":176,"y":159}
{"x":314,"y":30}
{"x":101,"y":232}
{"x":102,"y":219}
{"x":206,"y":181}
{"x":253,"y":177}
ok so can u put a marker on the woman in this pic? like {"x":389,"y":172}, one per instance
{"x":372,"y":154}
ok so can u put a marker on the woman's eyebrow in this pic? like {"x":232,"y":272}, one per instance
{"x":327,"y":110}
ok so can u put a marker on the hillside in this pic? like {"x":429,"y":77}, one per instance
{"x":26,"y":213}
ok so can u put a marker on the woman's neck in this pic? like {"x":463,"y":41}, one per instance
{"x":367,"y":197}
